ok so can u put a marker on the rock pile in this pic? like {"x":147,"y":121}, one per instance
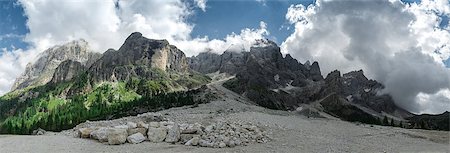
{"x":216,"y":135}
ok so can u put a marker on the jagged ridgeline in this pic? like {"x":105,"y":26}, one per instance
{"x":275,"y":81}
{"x":69,"y":84}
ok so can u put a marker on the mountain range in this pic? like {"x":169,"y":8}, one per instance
{"x":70,"y":84}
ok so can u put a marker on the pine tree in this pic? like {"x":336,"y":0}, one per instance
{"x":385,"y":121}
{"x":392,"y":122}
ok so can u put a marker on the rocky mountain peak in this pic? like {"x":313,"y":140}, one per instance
{"x":41,"y":71}
{"x":359,"y":75}
{"x":264,"y":43}
{"x":314,"y":72}
{"x":136,"y":57}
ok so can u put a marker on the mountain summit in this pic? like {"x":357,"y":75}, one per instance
{"x":136,"y":57}
{"x":41,"y":71}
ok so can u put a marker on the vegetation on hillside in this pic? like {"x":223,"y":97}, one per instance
{"x":57,"y":107}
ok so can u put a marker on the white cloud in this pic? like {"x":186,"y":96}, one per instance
{"x":402,"y":46}
{"x":105,"y":24}
{"x":262,"y":2}
{"x":437,"y":102}
{"x":12,"y":64}
{"x":233,"y":41}
{"x":9,"y":36}
{"x":201,"y":4}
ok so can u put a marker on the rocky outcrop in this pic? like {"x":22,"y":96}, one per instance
{"x":139,"y":57}
{"x":66,"y":71}
{"x":263,"y":74}
{"x":355,"y":88}
{"x":205,"y":62}
{"x":41,"y":71}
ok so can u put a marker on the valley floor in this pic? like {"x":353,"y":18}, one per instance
{"x":289,"y":131}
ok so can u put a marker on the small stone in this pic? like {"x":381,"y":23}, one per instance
{"x":205,"y":143}
{"x":136,"y":138}
{"x":166,"y":123}
{"x":231,"y":144}
{"x":156,"y":134}
{"x":39,"y":131}
{"x":222,"y":145}
{"x":209,"y":129}
{"x":189,"y":131}
{"x":237,"y":142}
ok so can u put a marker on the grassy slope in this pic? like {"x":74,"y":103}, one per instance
{"x":50,"y":108}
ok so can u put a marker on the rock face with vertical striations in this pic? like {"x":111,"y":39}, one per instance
{"x":263,"y":74}
{"x":66,"y":71}
{"x":41,"y":71}
{"x":139,"y":57}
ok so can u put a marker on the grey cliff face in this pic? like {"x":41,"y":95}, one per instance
{"x":66,"y":71}
{"x":271,"y":80}
{"x":41,"y":71}
{"x":355,"y":88}
{"x":138,"y":56}
{"x":261,"y":72}
{"x":205,"y":62}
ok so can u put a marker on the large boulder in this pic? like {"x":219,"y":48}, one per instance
{"x":85,"y":132}
{"x":141,"y":124}
{"x":154,"y":124}
{"x":156,"y":134}
{"x":173,"y":134}
{"x":186,"y":137}
{"x":193,"y":142}
{"x":143,"y":131}
{"x":136,"y":138}
{"x":100,"y":134}
{"x":131,"y":125}
{"x":117,"y":136}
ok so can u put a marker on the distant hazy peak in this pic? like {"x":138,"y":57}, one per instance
{"x":41,"y":71}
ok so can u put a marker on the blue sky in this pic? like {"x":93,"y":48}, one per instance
{"x":223,"y":17}
{"x":220,"y":19}
{"x":13,"y":26}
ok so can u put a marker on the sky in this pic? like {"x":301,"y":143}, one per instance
{"x":395,"y":42}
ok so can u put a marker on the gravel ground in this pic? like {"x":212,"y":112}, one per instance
{"x":289,"y":131}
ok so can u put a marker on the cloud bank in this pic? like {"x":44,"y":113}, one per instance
{"x":398,"y":44}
